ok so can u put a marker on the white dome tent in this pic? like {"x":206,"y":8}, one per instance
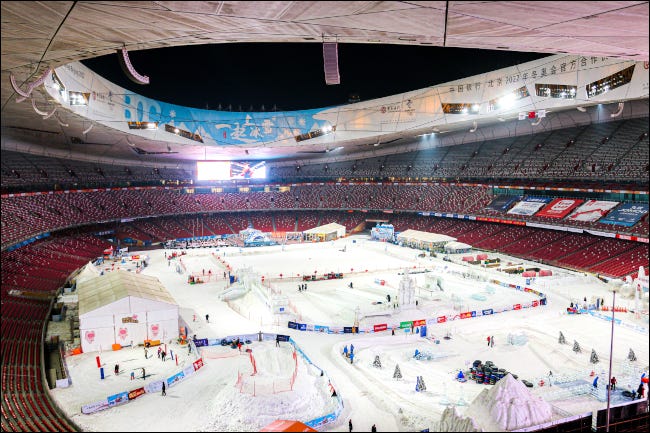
{"x":457,"y":247}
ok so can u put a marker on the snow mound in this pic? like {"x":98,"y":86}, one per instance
{"x":509,"y":405}
{"x":451,"y":421}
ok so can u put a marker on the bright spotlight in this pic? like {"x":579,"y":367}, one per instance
{"x":507,"y":101}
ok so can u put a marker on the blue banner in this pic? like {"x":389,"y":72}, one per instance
{"x":118,"y":399}
{"x":503,"y":202}
{"x":201,"y":342}
{"x":488,"y":312}
{"x":293,"y":325}
{"x":627,"y":214}
{"x":320,"y":328}
{"x":173,"y":380}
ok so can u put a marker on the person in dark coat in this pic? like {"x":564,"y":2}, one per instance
{"x":373,"y":428}
{"x":350,"y":424}
{"x":163,"y":389}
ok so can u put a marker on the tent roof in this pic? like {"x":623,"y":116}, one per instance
{"x":88,"y":272}
{"x":287,"y":425}
{"x":424,"y":236}
{"x":457,"y":245}
{"x":327,"y":228}
{"x":103,"y":290}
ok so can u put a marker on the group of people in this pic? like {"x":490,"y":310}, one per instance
{"x":640,"y":391}
{"x":372,"y":429}
{"x":302,"y":287}
{"x":162,"y":354}
{"x":349,"y":354}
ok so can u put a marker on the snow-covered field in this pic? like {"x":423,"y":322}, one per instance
{"x":210,"y":401}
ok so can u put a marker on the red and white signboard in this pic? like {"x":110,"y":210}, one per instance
{"x":559,"y":208}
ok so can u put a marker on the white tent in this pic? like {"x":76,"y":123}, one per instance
{"x":88,"y":272}
{"x":457,"y":247}
{"x":325,"y":233}
{"x":124,"y":308}
{"x":423,"y":240}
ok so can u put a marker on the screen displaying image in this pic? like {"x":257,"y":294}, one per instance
{"x":226,"y":170}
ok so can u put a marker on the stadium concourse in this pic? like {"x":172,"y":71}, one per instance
{"x":225,"y":395}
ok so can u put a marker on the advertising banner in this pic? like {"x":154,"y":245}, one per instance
{"x":293,"y":325}
{"x":592,"y":210}
{"x":188,"y":371}
{"x":516,"y":307}
{"x":94,"y":407}
{"x":321,"y":328}
{"x":405,"y":324}
{"x":488,"y":312}
{"x":118,"y":399}
{"x":441,"y":319}
{"x":468,"y":315}
{"x":503,"y":202}
{"x":421,"y":322}
{"x":559,"y":208}
{"x":173,"y":380}
{"x":153,"y":387}
{"x":627,"y":214}
{"x":201,"y":342}
{"x":381,"y":327}
{"x":136,"y":393}
{"x":529,"y":206}
{"x":198,"y":364}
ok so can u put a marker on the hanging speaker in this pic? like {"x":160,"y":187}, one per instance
{"x":331,"y":62}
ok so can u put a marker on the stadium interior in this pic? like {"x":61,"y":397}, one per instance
{"x":66,"y":199}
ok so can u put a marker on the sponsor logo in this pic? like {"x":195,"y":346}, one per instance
{"x":136,"y":393}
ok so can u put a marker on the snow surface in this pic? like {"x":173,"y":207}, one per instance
{"x":210,"y":401}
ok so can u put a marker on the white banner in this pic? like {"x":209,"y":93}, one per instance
{"x":526,"y":208}
{"x":94,"y":407}
{"x":592,"y":210}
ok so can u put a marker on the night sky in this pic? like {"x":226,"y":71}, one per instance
{"x":291,"y":77}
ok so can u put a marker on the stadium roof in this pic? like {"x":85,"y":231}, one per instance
{"x":38,"y":35}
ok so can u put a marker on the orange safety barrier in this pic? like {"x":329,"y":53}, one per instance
{"x":116,"y":346}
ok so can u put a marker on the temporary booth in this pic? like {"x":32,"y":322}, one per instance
{"x":423,"y":240}
{"x":455,"y":247}
{"x":327,"y":232}
{"x":124,"y":308}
